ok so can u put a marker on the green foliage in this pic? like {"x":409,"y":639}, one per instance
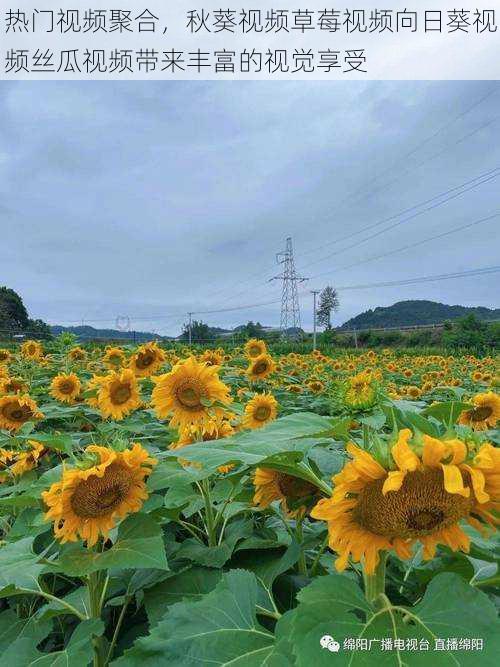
{"x":199,"y":332}
{"x":413,"y":312}
{"x":14,"y":316}
{"x":472,"y":334}
{"x":328,"y":303}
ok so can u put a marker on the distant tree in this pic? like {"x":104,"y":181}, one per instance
{"x":328,"y":304}
{"x":13,"y":314}
{"x":252,"y":330}
{"x":199,"y":332}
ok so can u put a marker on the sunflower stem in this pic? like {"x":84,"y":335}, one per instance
{"x":300,"y":539}
{"x":209,"y":514}
{"x":375,"y":583}
{"x":95,"y":586}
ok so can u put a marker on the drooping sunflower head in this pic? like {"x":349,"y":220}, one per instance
{"x":77,"y":354}
{"x":485,"y":413}
{"x":259,"y":411}
{"x":5,"y":356}
{"x":191,"y":394}
{"x":295,"y":495}
{"x":118,"y":394}
{"x":260,"y":367}
{"x":27,"y":459}
{"x":147,"y":360}
{"x":316,"y":386}
{"x":255,"y":348}
{"x":32,"y":349}
{"x":212,"y":358}
{"x":114,"y":357}
{"x":66,"y":387}
{"x":87,"y":502}
{"x":13,"y":385}
{"x":429,"y":487}
{"x":215,"y":429}
{"x":15,"y":411}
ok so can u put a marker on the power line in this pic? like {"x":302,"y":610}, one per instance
{"x":424,"y":279}
{"x":425,"y":141}
{"x":411,"y":245}
{"x":491,"y":175}
{"x":488,"y":175}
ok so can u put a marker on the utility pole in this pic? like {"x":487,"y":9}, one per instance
{"x":189,"y":326}
{"x":355,"y":337}
{"x":290,"y":311}
{"x":315,"y":293}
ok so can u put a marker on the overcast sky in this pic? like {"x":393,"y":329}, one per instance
{"x":153,"y":199}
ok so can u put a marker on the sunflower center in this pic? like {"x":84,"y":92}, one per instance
{"x":294,"y":488}
{"x":66,"y":387}
{"x":260,"y":367}
{"x":421,"y":506}
{"x":254,"y":351}
{"x":17,"y":413}
{"x":262,"y":413}
{"x":144,"y":359}
{"x":100,"y":496}
{"x":480,"y":414}
{"x":189,"y":396}
{"x":120,"y":393}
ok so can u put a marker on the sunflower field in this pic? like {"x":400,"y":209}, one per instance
{"x":175,"y":506}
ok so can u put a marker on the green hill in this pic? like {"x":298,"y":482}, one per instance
{"x":410,"y":313}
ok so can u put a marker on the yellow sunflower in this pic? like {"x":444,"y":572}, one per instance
{"x":5,"y":356}
{"x":215,"y":430}
{"x":360,"y":392}
{"x":118,"y":394}
{"x":87,"y":503}
{"x":147,"y":360}
{"x":13,"y":386}
{"x":77,"y":354}
{"x":259,"y":411}
{"x":430,"y":488}
{"x":212,"y":358}
{"x":17,"y":410}
{"x":316,"y":386}
{"x":27,"y":460}
{"x":255,"y":348}
{"x":32,"y":349}
{"x":191,"y":394}
{"x":66,"y":387}
{"x":485,"y":413}
{"x":295,"y":494}
{"x":260,"y":367}
{"x":114,"y":357}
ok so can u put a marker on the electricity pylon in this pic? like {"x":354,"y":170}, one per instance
{"x":290,"y":310}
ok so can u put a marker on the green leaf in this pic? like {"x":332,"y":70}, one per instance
{"x":79,"y":650}
{"x":219,"y":629}
{"x":169,"y":474}
{"x":252,"y":447}
{"x":188,"y":585}
{"x":216,"y":556}
{"x":447,"y":412}
{"x":19,"y":638}
{"x":451,"y":609}
{"x":19,"y":566}
{"x":139,"y":545}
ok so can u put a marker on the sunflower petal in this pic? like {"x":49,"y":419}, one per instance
{"x":394,"y":481}
{"x":453,"y":482}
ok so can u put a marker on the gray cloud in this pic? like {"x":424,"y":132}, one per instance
{"x":152,"y":199}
